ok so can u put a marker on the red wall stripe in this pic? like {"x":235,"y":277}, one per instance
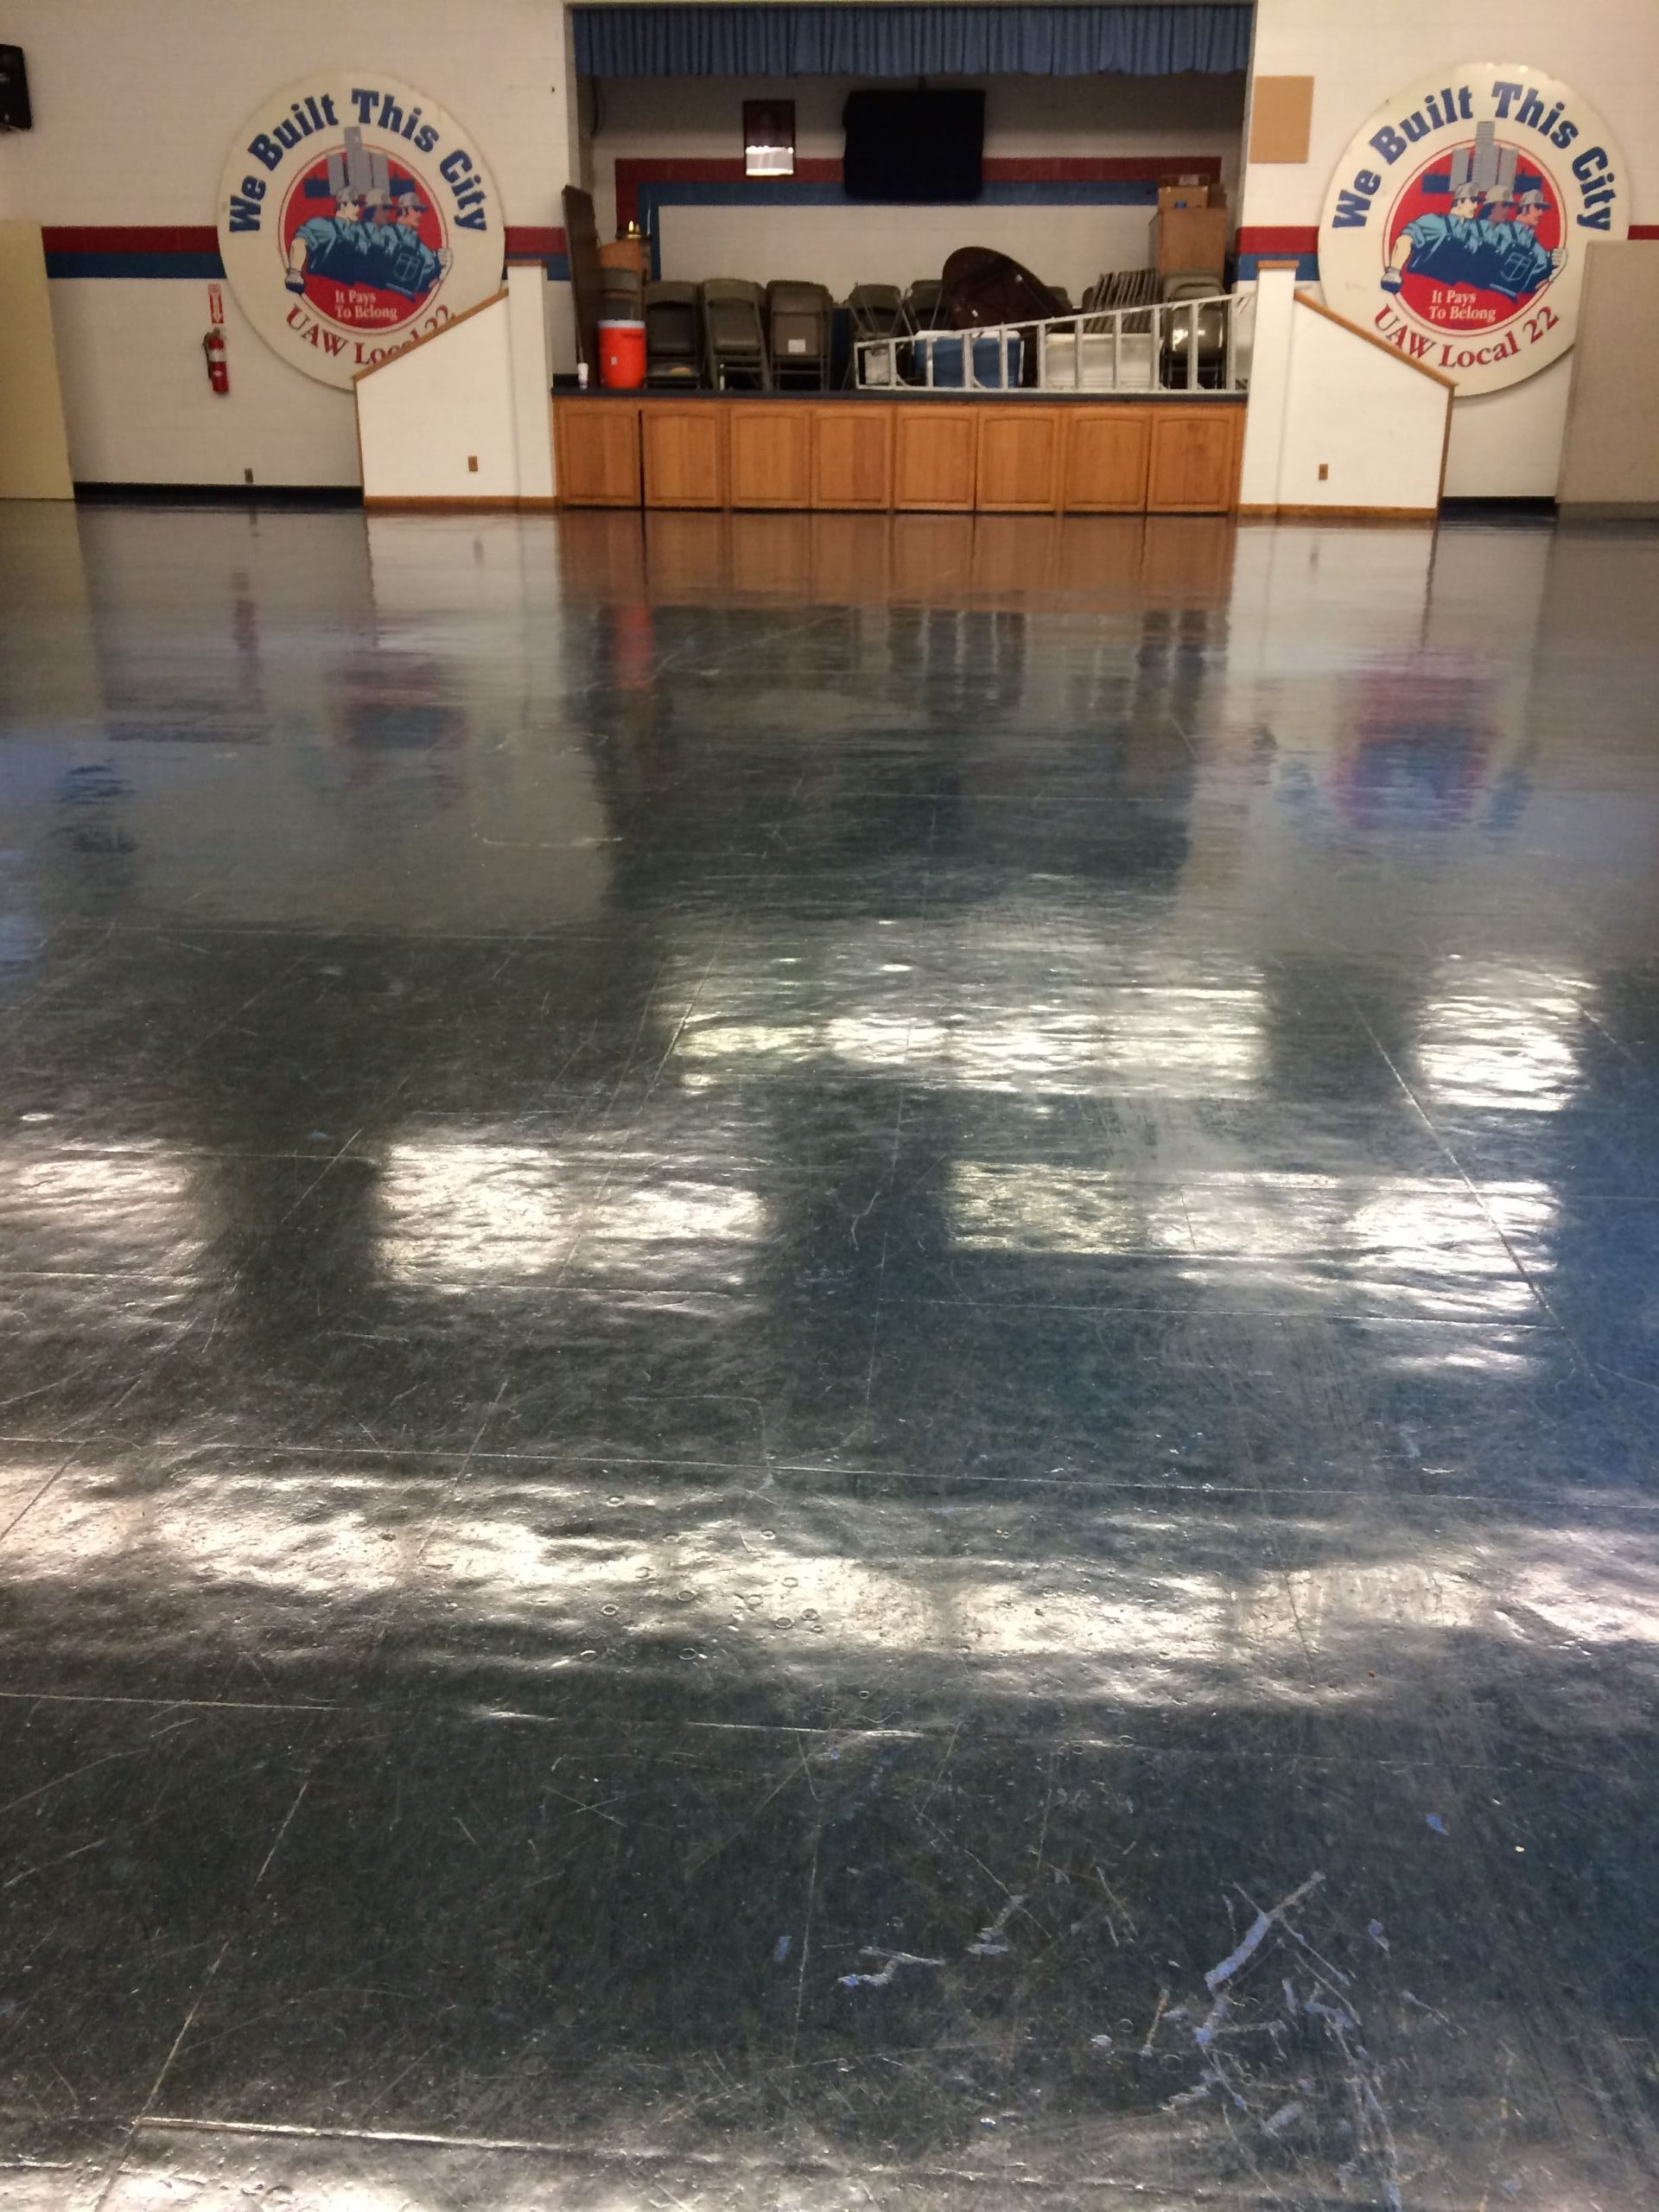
{"x":130,"y":237}
{"x":525,"y":241}
{"x":1644,"y":230}
{"x":1284,"y":237}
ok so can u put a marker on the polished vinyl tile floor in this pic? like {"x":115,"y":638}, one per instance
{"x":830,"y":1364}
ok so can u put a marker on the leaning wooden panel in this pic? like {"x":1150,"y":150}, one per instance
{"x":683,"y":452}
{"x":933,"y":457}
{"x":768,"y":454}
{"x":597,"y":445}
{"x":852,"y":455}
{"x":1193,"y":469}
{"x":1107,"y":453}
{"x":1018,"y":459}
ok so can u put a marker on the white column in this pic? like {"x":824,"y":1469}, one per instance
{"x":532,"y":380}
{"x":1264,"y":418}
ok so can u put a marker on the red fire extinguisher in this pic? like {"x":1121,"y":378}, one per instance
{"x":218,"y":374}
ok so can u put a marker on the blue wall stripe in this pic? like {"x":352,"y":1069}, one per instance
{"x":1249,"y":265}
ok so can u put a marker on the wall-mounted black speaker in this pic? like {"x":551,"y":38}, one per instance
{"x":914,"y":146}
{"x":14,"y":91}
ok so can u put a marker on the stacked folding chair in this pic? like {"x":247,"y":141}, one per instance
{"x":735,"y":336}
{"x":673,"y":339}
{"x":797,"y":334}
{"x":875,"y":311}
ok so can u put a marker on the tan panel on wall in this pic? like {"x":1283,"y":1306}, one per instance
{"x":1610,"y":457}
{"x":34,"y":451}
{"x":1282,"y":119}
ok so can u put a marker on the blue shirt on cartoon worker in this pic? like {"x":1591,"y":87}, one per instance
{"x":1447,"y":248}
{"x":1517,"y":264}
{"x":397,"y":258}
{"x":329,"y":246}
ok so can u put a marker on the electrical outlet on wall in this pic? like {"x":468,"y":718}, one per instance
{"x":472,"y":463}
{"x":1324,"y":472}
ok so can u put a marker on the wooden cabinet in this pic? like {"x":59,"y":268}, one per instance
{"x":683,"y":452}
{"x":1020,"y":448}
{"x":597,"y":445}
{"x":1193,"y":469}
{"x":934,"y":456}
{"x":852,"y":455}
{"x":1003,"y":456}
{"x":1107,"y":450}
{"x":768,"y":454}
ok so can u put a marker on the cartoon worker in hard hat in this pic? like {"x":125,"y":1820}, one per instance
{"x":329,"y":246}
{"x":1446,"y":247}
{"x":403,"y":261}
{"x":1523,"y":265}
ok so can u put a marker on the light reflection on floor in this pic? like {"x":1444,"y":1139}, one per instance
{"x":735,"y":1255}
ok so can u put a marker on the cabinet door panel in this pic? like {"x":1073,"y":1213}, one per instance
{"x":683,"y":452}
{"x":1019,"y":450}
{"x":1106,"y":449}
{"x":768,"y":455}
{"x":1194,"y":466}
{"x":933,"y":457}
{"x":597,"y":443}
{"x":852,"y":455}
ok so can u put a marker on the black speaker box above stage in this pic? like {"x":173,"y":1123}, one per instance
{"x":15,"y":113}
{"x":914,"y":146}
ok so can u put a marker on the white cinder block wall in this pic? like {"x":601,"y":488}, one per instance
{"x":136,"y":106}
{"x":1504,"y":444}
{"x":1028,"y":120}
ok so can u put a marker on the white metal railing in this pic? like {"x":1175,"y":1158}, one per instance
{"x":1190,"y":346}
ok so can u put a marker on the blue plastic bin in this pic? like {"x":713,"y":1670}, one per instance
{"x":948,"y":349}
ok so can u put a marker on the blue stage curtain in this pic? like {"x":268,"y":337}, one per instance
{"x":911,"y":41}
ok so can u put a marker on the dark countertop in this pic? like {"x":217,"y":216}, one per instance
{"x":908,"y":392}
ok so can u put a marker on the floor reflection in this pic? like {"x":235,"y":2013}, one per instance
{"x":828,"y":1360}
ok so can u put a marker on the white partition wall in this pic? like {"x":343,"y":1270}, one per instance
{"x":1338,"y":423}
{"x":463,"y":418}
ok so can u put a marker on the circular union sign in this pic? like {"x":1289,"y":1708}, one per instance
{"x":1458,"y":220}
{"x":353,"y":215}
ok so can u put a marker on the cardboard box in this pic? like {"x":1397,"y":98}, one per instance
{"x":1176,"y":197}
{"x":1190,"y":238}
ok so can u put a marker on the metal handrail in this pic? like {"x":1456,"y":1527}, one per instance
{"x":1172,"y":344}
